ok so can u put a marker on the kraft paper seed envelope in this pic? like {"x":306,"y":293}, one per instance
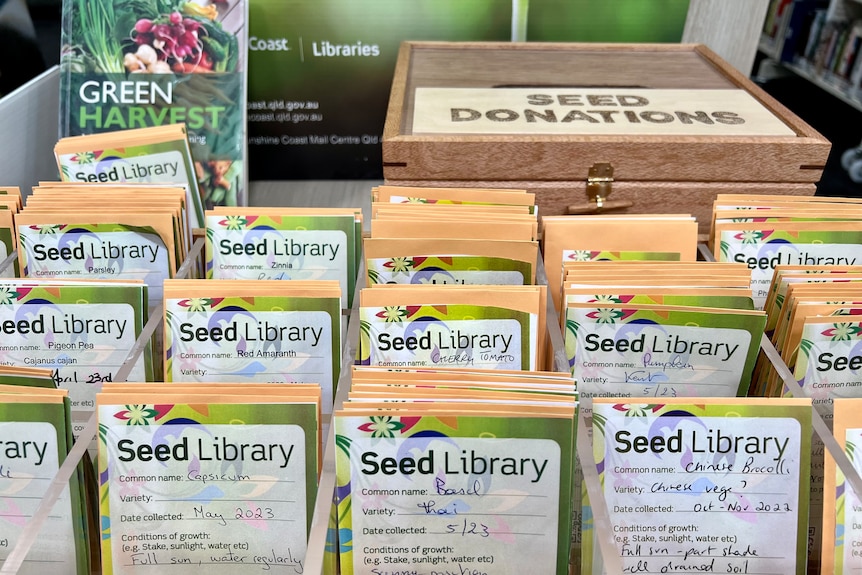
{"x":456,"y":261}
{"x":652,"y":237}
{"x":157,"y":154}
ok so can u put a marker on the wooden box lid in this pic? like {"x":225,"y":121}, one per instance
{"x":538,"y":112}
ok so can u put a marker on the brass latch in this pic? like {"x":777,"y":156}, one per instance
{"x":600,"y":181}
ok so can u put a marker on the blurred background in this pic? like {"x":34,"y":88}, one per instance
{"x":31,"y":30}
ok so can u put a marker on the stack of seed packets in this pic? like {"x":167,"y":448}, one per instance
{"x":842,"y":505}
{"x":784,"y":275}
{"x":451,"y":226}
{"x":27,"y":376}
{"x":373,"y":382}
{"x":476,"y":326}
{"x":619,"y":237}
{"x":143,"y":196}
{"x":400,"y":211}
{"x":822,"y":346}
{"x":500,"y":248}
{"x":81,"y":331}
{"x":239,"y":331}
{"x":137,"y":197}
{"x":219,"y":476}
{"x":459,"y":196}
{"x":797,"y":303}
{"x":79,"y":234}
{"x":828,"y":366}
{"x":389,"y":223}
{"x":13,"y":192}
{"x":710,"y":284}
{"x":10,"y":204}
{"x":442,"y":261}
{"x":766,"y":231}
{"x":455,"y":471}
{"x":706,"y":485}
{"x":254,"y":243}
{"x":37,"y":436}
{"x":158,"y":154}
{"x":817,"y":330}
{"x":650,"y":330}
{"x":618,"y":322}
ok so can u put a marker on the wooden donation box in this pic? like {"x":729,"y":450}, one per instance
{"x":593,"y":128}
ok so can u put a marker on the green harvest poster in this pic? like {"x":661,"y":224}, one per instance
{"x":129,"y":64}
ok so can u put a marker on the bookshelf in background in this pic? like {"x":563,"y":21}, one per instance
{"x":774,"y":28}
{"x":820,"y":40}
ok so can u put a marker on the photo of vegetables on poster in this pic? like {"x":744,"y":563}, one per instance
{"x":320,"y":71}
{"x":136,"y":63}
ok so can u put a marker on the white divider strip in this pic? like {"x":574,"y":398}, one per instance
{"x":705,"y":253}
{"x":185,"y":268}
{"x":8,"y":261}
{"x":317,"y":535}
{"x":602,"y":526}
{"x":552,"y":320}
{"x":598,"y":503}
{"x":817,"y":422}
{"x":820,"y":428}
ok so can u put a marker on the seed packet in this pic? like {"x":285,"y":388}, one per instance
{"x":99,"y":246}
{"x":656,"y":351}
{"x":449,"y":471}
{"x":181,"y":468}
{"x":158,"y":154}
{"x":284,"y":244}
{"x":251,"y":331}
{"x":82,"y":331}
{"x":764,"y":243}
{"x":668,"y":468}
{"x":491,"y":327}
{"x":500,"y":210}
{"x":444,"y":261}
{"x":640,"y":237}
